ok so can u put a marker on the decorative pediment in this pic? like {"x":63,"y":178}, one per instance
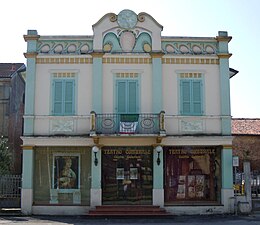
{"x":125,"y":31}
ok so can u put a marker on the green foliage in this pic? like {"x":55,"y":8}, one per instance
{"x":5,"y":157}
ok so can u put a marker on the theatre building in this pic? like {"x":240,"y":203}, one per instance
{"x":126,"y":116}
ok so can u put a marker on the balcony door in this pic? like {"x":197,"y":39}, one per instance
{"x":127,"y":105}
{"x":127,"y":96}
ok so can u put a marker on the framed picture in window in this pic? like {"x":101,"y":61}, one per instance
{"x":66,"y":171}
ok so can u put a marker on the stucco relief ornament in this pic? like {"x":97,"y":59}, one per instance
{"x":127,"y":19}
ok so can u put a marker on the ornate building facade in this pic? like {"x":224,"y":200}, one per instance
{"x":127,"y":116}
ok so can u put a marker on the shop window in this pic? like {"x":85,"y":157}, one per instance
{"x":62,"y":176}
{"x":192,"y":174}
{"x":127,"y":175}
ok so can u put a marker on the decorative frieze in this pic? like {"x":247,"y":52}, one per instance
{"x":117,"y":60}
{"x":190,"y":61}
{"x":189,"y":47}
{"x":67,"y":60}
{"x":191,"y":126}
{"x":61,"y":125}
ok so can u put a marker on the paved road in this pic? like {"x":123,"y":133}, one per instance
{"x":174,"y":220}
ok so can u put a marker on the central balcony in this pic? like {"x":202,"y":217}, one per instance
{"x":127,"y":124}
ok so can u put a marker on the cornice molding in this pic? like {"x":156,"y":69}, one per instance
{"x":223,"y":38}
{"x":30,"y":54}
{"x":227,"y":147}
{"x":31,"y":37}
{"x":156,"y":54}
{"x":224,"y":55}
{"x":28,"y":147}
{"x":97,"y":54}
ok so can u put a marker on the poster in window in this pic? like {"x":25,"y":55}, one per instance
{"x":120,"y":173}
{"x":66,"y":172}
{"x":133,"y":173}
{"x":191,"y":186}
{"x":200,"y":180}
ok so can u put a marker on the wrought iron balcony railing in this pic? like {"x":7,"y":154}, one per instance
{"x":143,"y":123}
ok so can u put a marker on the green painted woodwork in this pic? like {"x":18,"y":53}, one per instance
{"x":63,"y":91}
{"x":127,"y":96}
{"x":191,"y":97}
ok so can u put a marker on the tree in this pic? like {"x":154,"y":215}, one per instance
{"x":5,"y":157}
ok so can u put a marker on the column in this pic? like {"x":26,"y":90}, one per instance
{"x":97,"y":82}
{"x":223,"y":54}
{"x":96,"y":191}
{"x":27,"y":181}
{"x":31,"y":38}
{"x":156,"y":81}
{"x":227,"y":192}
{"x":158,"y":191}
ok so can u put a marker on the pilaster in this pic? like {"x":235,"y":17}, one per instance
{"x":27,"y":181}
{"x":224,"y":55}
{"x":158,"y":191}
{"x":95,"y":191}
{"x":31,"y":38}
{"x":156,"y":81}
{"x":227,"y":167}
{"x":97,"y":82}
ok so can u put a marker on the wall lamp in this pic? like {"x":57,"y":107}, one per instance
{"x":95,"y":149}
{"x":158,"y":150}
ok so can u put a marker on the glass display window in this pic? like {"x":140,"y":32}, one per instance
{"x":127,"y":175}
{"x":61,"y":176}
{"x":192,"y":174}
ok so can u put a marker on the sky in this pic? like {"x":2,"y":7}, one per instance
{"x":194,"y":18}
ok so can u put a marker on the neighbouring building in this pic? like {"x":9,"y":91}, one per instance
{"x":12,"y":88}
{"x":127,"y":116}
{"x":246,"y":142}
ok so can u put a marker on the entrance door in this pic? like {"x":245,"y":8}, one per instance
{"x":127,"y":175}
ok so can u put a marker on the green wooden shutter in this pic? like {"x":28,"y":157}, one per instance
{"x":121,"y":97}
{"x":69,"y":97}
{"x":132,"y":97}
{"x":196,"y":97}
{"x":185,"y":97}
{"x":57,"y":97}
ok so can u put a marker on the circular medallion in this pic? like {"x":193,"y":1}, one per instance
{"x":127,"y":19}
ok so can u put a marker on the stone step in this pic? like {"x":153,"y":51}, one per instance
{"x":126,"y":210}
